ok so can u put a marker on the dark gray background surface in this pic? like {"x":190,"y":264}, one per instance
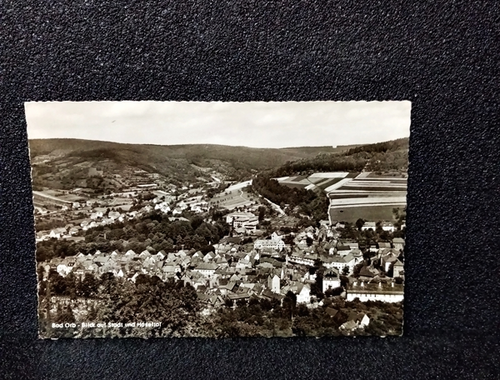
{"x":442,"y":57}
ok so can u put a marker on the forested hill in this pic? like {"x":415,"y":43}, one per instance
{"x":163,"y":158}
{"x":389,"y":155}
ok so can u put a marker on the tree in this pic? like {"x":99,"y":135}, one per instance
{"x":360,"y":223}
{"x":309,"y":241}
{"x":262,"y":213}
{"x":64,"y":315}
{"x":242,"y":302}
{"x":150,"y":299}
{"x":289,"y":304}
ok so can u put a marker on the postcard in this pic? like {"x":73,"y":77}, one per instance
{"x":219,"y":219}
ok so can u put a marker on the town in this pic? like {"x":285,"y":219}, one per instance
{"x":230,"y":246}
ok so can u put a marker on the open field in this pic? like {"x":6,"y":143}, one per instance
{"x":367,"y":198}
{"x":374,"y":188}
{"x":329,"y":175}
{"x":233,"y":199}
{"x":372,"y":213}
{"x":393,"y":175}
{"x":329,"y":182}
{"x":239,"y":186}
{"x":320,"y":180}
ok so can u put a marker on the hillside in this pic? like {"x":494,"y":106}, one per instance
{"x":383,"y":156}
{"x":68,"y":163}
{"x":65,"y":163}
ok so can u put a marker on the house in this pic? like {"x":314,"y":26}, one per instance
{"x":341,"y":262}
{"x":275,"y":243}
{"x":113,"y":215}
{"x":331,"y":312}
{"x":398,"y":269}
{"x":352,"y":244}
{"x":130,"y":253}
{"x":303,"y":258}
{"x":398,"y":243}
{"x":242,"y":222}
{"x":208,"y":257}
{"x":338,"y":316}
{"x":389,"y":227}
{"x":331,"y":279}
{"x":375,"y":291}
{"x":273,"y":283}
{"x":267,"y":294}
{"x":349,"y":326}
{"x":238,"y":296}
{"x":368,"y":272}
{"x":64,"y":269}
{"x":163,"y":207}
{"x":206,"y":269}
{"x":365,"y":321}
{"x":96,"y":215}
{"x":243,"y":264}
{"x":388,"y":257}
{"x":343,"y":250}
{"x":304,"y":295}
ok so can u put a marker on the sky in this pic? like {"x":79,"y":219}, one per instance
{"x":251,"y":124}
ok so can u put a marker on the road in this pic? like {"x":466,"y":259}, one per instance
{"x":276,"y":207}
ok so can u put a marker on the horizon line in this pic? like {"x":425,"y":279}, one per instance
{"x":211,"y":144}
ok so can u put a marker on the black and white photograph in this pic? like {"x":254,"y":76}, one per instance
{"x":219,"y":219}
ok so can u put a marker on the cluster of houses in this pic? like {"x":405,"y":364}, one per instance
{"x":269,"y":269}
{"x":196,"y":204}
{"x":98,"y":213}
{"x":98,"y":217}
{"x":243,"y":222}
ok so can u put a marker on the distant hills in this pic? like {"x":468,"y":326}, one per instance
{"x":175,"y":162}
{"x":384,"y":156}
{"x":60,"y":159}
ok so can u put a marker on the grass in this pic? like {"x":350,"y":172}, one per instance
{"x":329,"y":182}
{"x":373,"y":188}
{"x":347,"y":196}
{"x":316,"y":180}
{"x":371,"y":213}
{"x":293,"y":185}
{"x":352,"y":175}
{"x":233,"y":200}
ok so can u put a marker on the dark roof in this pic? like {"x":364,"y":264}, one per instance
{"x":331,"y":273}
{"x":234,"y":240}
{"x":365,"y":272}
{"x":331,"y":311}
{"x":269,"y":294}
{"x":206,"y":266}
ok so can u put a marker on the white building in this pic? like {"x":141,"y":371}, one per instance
{"x":375,"y":292}
{"x":331,"y":279}
{"x":304,"y":295}
{"x":273,"y":283}
{"x":275,"y":243}
{"x":206,"y":269}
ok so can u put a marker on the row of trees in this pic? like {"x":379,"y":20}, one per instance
{"x":322,"y":163}
{"x":149,"y":299}
{"x":262,"y":317}
{"x":382,"y":147}
{"x":153,"y":231}
{"x":309,"y":202}
{"x":178,"y":309}
{"x":381,"y":156}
